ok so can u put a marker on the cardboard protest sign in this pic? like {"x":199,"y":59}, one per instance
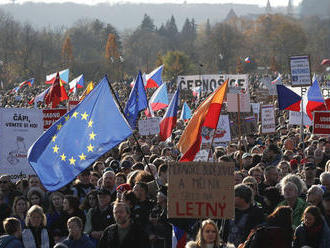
{"x":267,"y":119}
{"x":19,"y":128}
{"x":321,"y":122}
{"x":201,"y":190}
{"x":149,"y":126}
{"x":248,"y":126}
{"x":244,"y":103}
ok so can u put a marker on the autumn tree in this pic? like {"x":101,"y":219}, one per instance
{"x":176,"y":63}
{"x":67,"y":55}
{"x":111,"y":49}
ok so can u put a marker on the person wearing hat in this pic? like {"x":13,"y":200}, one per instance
{"x":309,"y":172}
{"x":247,"y":161}
{"x":101,"y":216}
{"x":125,"y":166}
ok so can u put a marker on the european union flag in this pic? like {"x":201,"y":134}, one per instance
{"x":79,"y":138}
{"x":137,"y":101}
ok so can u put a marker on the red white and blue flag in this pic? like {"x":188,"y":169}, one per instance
{"x":287,"y":99}
{"x":313,"y":100}
{"x":247,"y":60}
{"x":158,"y":100}
{"x":179,"y":237}
{"x":40,"y":97}
{"x":168,"y":122}
{"x":154,"y":78}
{"x":185,"y":112}
{"x":277,"y":80}
{"x":64,"y":77}
{"x":27,"y":82}
{"x":78,"y":82}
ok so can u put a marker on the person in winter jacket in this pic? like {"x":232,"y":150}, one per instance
{"x":76,"y":238}
{"x":13,"y":229}
{"x":313,"y":231}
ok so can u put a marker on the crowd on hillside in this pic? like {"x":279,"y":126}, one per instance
{"x":282,"y":194}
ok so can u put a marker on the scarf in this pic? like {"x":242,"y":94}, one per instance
{"x":29,"y":242}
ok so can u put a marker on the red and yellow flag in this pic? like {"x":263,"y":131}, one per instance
{"x":206,"y":115}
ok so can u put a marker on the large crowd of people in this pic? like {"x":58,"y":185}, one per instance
{"x":282,"y":193}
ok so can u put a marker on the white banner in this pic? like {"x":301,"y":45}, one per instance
{"x":295,"y":119}
{"x":19,"y":128}
{"x":210,"y":82}
{"x":267,"y":119}
{"x":244,"y":103}
{"x":149,"y":126}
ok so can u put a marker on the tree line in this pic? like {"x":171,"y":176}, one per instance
{"x":96,"y":48}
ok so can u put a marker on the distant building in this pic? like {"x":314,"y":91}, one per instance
{"x":290,"y":9}
{"x":268,"y":8}
{"x":231,"y":16}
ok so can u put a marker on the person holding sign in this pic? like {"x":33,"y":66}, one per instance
{"x":207,"y":236}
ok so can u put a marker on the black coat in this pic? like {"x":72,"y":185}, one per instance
{"x":135,"y":237}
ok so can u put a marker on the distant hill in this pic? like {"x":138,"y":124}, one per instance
{"x":123,"y":16}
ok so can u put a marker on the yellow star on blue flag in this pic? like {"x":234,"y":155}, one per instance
{"x":79,"y":138}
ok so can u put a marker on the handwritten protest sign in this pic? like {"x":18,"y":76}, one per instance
{"x":267,"y":119}
{"x":149,"y":126}
{"x":201,"y":190}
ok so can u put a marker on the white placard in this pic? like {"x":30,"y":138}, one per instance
{"x":222,"y":134}
{"x":232,"y":103}
{"x":267,"y":119}
{"x":295,"y":119}
{"x":149,"y":126}
{"x":300,"y":71}
{"x":210,"y":82}
{"x":256,"y":109}
{"x":19,"y":129}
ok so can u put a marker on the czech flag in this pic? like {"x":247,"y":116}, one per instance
{"x":159,"y":100}
{"x":314,"y":100}
{"x":287,"y":99}
{"x":185,"y":112}
{"x":277,"y":80}
{"x":247,"y":60}
{"x":179,"y":237}
{"x":78,"y":82}
{"x":168,"y":122}
{"x":205,"y":116}
{"x":154,"y":78}
{"x":40,"y":97}
{"x":64,"y":77}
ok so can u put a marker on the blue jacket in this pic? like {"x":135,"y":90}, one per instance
{"x":83,"y":242}
{"x":9,"y":241}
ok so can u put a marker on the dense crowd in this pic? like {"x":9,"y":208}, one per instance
{"x":282,"y":194}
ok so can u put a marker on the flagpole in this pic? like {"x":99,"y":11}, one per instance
{"x":136,"y":140}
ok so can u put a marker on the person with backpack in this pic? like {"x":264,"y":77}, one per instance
{"x":12,"y":227}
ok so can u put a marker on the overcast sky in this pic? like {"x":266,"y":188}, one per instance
{"x":258,"y":2}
